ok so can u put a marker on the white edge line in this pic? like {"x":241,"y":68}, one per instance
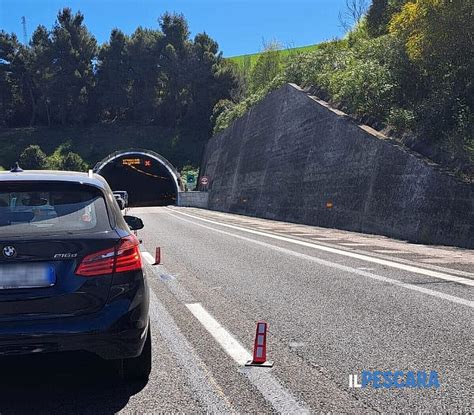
{"x":200,"y":379}
{"x":404,"y":267}
{"x":269,"y":386}
{"x":148,"y":257}
{"x":230,"y":345}
{"x":345,"y":268}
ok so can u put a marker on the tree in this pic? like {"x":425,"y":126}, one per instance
{"x":189,"y":170}
{"x":176,"y":68}
{"x":8,"y":45}
{"x":437,"y":35}
{"x":379,"y":15}
{"x":175,"y":28}
{"x":221,"y":106}
{"x":64,"y":159}
{"x":143,"y":56}
{"x":73,"y":162}
{"x":212,"y":79}
{"x":353,"y":13}
{"x":267,"y":67}
{"x":159,"y":76}
{"x":41,"y":74}
{"x":33,"y":158}
{"x":15,"y":83}
{"x":437,"y":32}
{"x":55,"y":160}
{"x":113,"y":76}
{"x":72,"y":77}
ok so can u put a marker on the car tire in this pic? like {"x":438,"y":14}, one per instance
{"x":137,"y":368}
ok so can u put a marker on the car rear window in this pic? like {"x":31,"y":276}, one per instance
{"x":51,"y":208}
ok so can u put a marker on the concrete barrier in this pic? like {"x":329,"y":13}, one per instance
{"x":193,"y":199}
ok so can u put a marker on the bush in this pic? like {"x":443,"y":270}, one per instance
{"x":55,"y":160}
{"x":189,"y":169}
{"x":355,"y":77}
{"x":228,"y":116}
{"x":33,"y":158}
{"x":364,"y":87}
{"x":64,"y":159}
{"x":401,"y":120}
{"x":268,"y":66}
{"x":73,"y":162}
{"x":298,"y":70}
{"x":221,"y":106}
{"x":379,"y":14}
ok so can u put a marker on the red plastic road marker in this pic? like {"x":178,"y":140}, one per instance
{"x":157,"y":256}
{"x":260,"y":347}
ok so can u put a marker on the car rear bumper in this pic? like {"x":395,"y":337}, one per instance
{"x":117,"y":331}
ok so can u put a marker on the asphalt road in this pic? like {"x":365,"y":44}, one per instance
{"x":337,"y":303}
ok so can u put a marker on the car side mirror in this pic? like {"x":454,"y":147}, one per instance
{"x":134,"y":223}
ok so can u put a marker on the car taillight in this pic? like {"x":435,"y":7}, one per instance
{"x":98,"y":263}
{"x":128,"y":256}
{"x":125,"y":257}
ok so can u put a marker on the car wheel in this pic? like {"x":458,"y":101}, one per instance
{"x":137,"y":368}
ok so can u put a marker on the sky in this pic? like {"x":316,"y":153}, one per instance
{"x":239,"y":26}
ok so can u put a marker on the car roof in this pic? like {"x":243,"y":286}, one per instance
{"x":54,"y":176}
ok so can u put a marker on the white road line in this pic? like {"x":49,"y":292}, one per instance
{"x":348,"y":269}
{"x":390,"y":251}
{"x":404,"y":267}
{"x":148,"y":257}
{"x":231,"y":346}
{"x":262,"y":379}
{"x":268,"y":385}
{"x":200,"y":379}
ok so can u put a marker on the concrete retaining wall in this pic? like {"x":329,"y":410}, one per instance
{"x":193,"y":199}
{"x":292,"y":157}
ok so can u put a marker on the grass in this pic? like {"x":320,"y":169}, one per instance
{"x":252,"y":58}
{"x":93,"y":142}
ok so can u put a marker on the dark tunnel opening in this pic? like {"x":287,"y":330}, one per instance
{"x":147,"y":180}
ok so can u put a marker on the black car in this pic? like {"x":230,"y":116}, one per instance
{"x":71,"y":274}
{"x":123,"y":194}
{"x":120,"y":201}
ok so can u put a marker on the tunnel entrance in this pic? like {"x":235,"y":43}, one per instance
{"x":148,"y":177}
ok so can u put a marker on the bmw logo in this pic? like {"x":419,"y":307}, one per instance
{"x":9,"y":251}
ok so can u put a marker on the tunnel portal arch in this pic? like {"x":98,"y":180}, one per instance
{"x":148,"y":177}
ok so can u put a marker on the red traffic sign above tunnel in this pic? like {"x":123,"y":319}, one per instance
{"x":204,"y":180}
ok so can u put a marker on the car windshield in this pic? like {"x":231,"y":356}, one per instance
{"x":59,"y":208}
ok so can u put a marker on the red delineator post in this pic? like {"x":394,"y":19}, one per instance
{"x":260,"y":347}
{"x":157,"y":256}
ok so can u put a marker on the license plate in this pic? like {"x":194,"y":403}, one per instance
{"x":26,"y":276}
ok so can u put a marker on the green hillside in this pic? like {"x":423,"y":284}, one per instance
{"x":96,"y":141}
{"x":252,"y":58}
{"x":405,"y":69}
